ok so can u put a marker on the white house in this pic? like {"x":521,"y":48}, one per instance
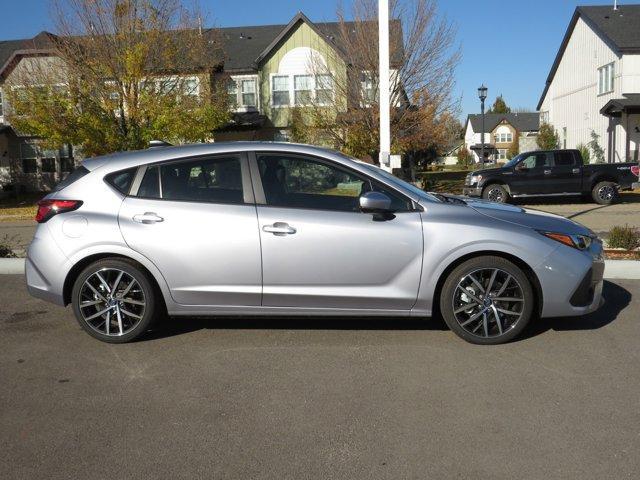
{"x":502,"y":132}
{"x":594,"y":83}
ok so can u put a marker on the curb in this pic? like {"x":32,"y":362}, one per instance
{"x":620,"y":269}
{"x":11,"y":266}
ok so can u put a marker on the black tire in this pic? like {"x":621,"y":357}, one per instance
{"x":496,"y":334}
{"x":495,"y":193}
{"x":604,"y":193}
{"x":143,"y":288}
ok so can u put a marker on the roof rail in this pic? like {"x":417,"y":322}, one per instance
{"x":159,"y":143}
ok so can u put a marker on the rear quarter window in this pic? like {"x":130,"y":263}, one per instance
{"x":73,"y":177}
{"x":121,"y":180}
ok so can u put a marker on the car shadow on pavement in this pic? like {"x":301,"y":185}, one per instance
{"x":182,"y":325}
{"x":616,"y":299}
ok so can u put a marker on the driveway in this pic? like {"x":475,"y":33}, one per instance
{"x":319,"y":398}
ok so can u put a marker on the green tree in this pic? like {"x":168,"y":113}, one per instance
{"x":131,"y":71}
{"x":596,"y":149}
{"x":513,"y":150}
{"x":547,"y":137}
{"x":499,"y":106}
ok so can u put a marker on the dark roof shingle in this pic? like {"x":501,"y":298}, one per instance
{"x":523,"y":122}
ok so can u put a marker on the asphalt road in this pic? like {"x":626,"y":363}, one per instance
{"x":319,"y":398}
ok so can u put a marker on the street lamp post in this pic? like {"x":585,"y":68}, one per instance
{"x":383,"y":59}
{"x":482,"y":94}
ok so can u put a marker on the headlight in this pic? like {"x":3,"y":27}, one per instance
{"x":581,"y":242}
{"x":475,"y":179}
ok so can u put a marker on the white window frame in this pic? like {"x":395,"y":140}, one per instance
{"x":238,"y":79}
{"x":366,"y":84}
{"x":332,"y":89}
{"x":544,"y":117}
{"x":502,"y":154}
{"x":289,"y":90}
{"x":310,"y":89}
{"x":606,"y":75}
{"x":504,"y":137}
{"x":292,"y":90}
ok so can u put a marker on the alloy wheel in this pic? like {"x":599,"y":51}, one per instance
{"x":606,"y":192}
{"x":488,"y":302}
{"x":496,"y":195}
{"x":111,"y":302}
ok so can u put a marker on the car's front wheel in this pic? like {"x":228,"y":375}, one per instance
{"x":487,"y":300}
{"x":114,"y":300}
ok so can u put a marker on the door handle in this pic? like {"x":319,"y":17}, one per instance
{"x":576,"y":170}
{"x":279,"y":229}
{"x":147,"y":218}
{"x":547,"y":172}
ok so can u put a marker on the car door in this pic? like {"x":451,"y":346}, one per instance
{"x":531,"y":175}
{"x":319,"y":250}
{"x":566,"y":173}
{"x":196,"y":221}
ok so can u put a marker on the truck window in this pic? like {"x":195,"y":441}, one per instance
{"x":564,"y":159}
{"x":538,"y":160}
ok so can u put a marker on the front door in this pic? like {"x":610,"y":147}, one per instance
{"x":320,"y":251}
{"x":194,"y":220}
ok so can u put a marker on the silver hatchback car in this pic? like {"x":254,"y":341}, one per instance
{"x":283,"y":229}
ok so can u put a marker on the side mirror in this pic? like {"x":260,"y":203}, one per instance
{"x":375,"y":202}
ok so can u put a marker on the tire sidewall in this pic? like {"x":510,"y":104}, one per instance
{"x":596,"y":198}
{"x":142,"y":279}
{"x":476,"y":263}
{"x":487,"y":189}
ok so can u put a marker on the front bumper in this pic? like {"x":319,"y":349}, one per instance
{"x":572,"y":281}
{"x":472,"y":191}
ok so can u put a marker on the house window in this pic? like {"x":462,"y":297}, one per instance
{"x":232,"y":93}
{"x":280,"y":90}
{"x":49,"y":165}
{"x":302,"y":89}
{"x":605,"y":79}
{"x":544,"y":117}
{"x":191,"y":87}
{"x":502,"y":154}
{"x":324,"y":89}
{"x":248,"y":89}
{"x":368,"y":90}
{"x":504,"y":137}
{"x":28,"y":155}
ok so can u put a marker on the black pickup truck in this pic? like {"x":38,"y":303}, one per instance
{"x":552,"y":172}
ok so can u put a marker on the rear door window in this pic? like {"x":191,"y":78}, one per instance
{"x":564,"y":159}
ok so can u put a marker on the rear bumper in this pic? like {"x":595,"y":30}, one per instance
{"x":472,"y":191}
{"x":46,"y":268}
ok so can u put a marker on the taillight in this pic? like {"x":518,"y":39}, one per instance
{"x":636,"y":170}
{"x":49,"y":208}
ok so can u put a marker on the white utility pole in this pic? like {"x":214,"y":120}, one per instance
{"x":385,"y":121}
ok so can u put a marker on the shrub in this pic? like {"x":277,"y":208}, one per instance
{"x":6,"y":248}
{"x":624,"y":237}
{"x":596,"y":149}
{"x":585,"y":152}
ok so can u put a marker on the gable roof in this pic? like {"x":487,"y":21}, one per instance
{"x":244,"y":46}
{"x":523,"y":122}
{"x":619,"y":28}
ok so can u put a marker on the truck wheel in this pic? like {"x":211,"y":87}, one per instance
{"x":604,"y":193}
{"x":496,"y":193}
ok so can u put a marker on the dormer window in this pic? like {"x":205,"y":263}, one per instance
{"x":242,"y":91}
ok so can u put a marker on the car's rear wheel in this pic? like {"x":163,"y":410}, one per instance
{"x":604,"y":193}
{"x":487,"y":300}
{"x":114,"y":300}
{"x":496,"y":193}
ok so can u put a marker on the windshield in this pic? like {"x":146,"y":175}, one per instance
{"x":396,"y":181}
{"x":514,"y":160}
